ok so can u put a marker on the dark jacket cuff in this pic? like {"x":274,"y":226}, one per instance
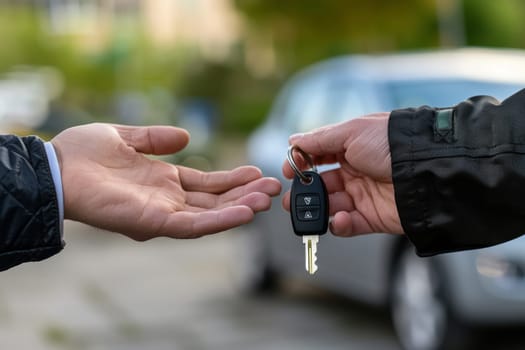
{"x":459,"y":173}
{"x":29,"y":214}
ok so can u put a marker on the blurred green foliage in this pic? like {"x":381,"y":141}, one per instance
{"x":305,"y":31}
{"x":242,"y":100}
{"x":495,"y":23}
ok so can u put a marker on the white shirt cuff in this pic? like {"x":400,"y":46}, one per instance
{"x":57,"y":180}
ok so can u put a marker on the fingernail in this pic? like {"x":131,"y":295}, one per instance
{"x":331,"y":227}
{"x":295,"y":137}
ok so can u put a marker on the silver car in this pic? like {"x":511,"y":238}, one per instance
{"x":431,"y":300}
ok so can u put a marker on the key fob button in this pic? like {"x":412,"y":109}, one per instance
{"x":307,"y":199}
{"x":308,"y":214}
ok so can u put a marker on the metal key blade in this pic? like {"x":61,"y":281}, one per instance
{"x":310,"y":253}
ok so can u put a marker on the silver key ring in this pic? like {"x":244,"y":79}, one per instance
{"x":306,"y":157}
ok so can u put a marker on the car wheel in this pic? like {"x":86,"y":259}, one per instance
{"x":419,"y":308}
{"x":252,"y":273}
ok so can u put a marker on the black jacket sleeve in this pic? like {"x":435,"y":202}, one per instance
{"x":29,"y":216}
{"x":459,"y":173}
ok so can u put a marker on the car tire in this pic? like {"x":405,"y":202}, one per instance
{"x":420,"y":311}
{"x":252,"y":273}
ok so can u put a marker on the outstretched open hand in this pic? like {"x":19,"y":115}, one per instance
{"x":108,"y":182}
{"x":361,"y":192}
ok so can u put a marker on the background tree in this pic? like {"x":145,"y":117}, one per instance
{"x":304,"y":31}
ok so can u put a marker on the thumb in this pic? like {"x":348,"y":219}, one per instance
{"x":322,"y":141}
{"x":331,"y":139}
{"x":323,"y":144}
{"x":156,"y":140}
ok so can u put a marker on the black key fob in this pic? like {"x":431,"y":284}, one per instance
{"x":309,"y":205}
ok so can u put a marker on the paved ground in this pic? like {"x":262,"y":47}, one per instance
{"x":105,"y":291}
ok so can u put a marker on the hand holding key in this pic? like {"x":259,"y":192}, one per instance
{"x":360,"y":191}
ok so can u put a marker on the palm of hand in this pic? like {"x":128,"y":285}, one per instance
{"x":124,"y":187}
{"x":109,"y":183}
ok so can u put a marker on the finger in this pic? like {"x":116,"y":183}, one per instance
{"x":286,"y":201}
{"x":326,"y":140}
{"x":287,"y":170}
{"x":156,"y":140}
{"x":193,"y":225}
{"x":265,"y":186}
{"x":331,"y":139}
{"x":255,"y":201}
{"x":333,"y":180}
{"x":340,"y":201}
{"x":349,"y":224}
{"x":289,"y":173}
{"x":217,"y":182}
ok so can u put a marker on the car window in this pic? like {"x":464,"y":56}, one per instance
{"x":344,"y":101}
{"x":306,"y":106}
{"x":444,"y":93}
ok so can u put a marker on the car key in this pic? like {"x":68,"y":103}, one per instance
{"x":309,"y":213}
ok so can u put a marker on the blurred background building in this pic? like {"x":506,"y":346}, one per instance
{"x":209,"y":25}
